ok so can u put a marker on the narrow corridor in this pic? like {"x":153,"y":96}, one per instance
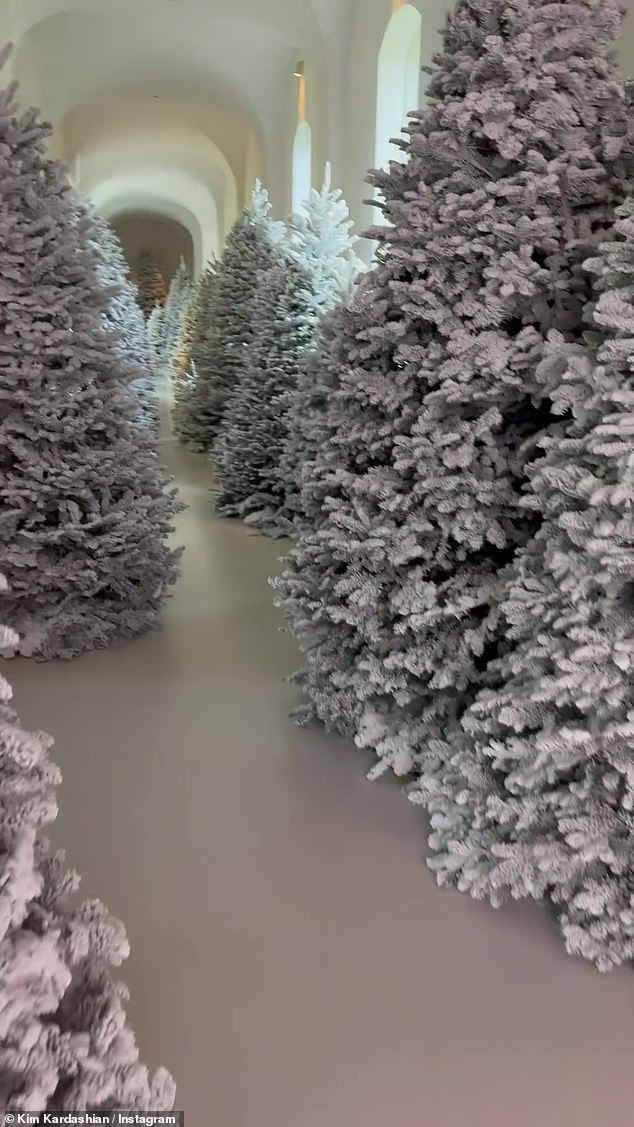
{"x":293,"y":962}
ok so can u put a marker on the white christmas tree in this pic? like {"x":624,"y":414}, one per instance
{"x":85,"y":512}
{"x":319,"y":238}
{"x":220,"y":364}
{"x":64,"y":1040}
{"x":173,"y":310}
{"x":150,"y":284}
{"x":539,"y":801}
{"x":124,"y":317}
{"x":307,"y":432}
{"x":196,"y":309}
{"x":253,"y":430}
{"x":510,"y":178}
{"x":189,"y":417}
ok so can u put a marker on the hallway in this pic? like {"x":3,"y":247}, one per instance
{"x":307,"y":971}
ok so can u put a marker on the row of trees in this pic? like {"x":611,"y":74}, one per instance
{"x":85,"y":509}
{"x":248,"y":395}
{"x":460,"y":448}
{"x":150,"y":284}
{"x":166,"y":322}
{"x":463,"y":584}
{"x":123,"y":317}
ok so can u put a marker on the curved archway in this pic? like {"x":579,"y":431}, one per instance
{"x":302,"y":164}
{"x":167,"y":240}
{"x":161,"y":191}
{"x":83,"y":50}
{"x":398,"y":80}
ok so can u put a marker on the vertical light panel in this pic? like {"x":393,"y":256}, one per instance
{"x":302,"y":164}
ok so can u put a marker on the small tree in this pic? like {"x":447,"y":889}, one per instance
{"x":85,"y":514}
{"x":540,"y":799}
{"x":511,"y":175}
{"x":64,"y":1041}
{"x":150,"y":284}
{"x":221,"y":360}
{"x":124,"y":319}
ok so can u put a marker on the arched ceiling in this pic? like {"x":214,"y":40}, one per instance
{"x":170,"y":104}
{"x":136,"y":142}
{"x":236,"y":52}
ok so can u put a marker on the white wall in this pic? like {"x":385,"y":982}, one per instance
{"x":251,"y":119}
{"x":371,"y":20}
{"x":167,"y":241}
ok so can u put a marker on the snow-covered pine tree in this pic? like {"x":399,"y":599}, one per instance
{"x":247,"y":451}
{"x":189,"y":416}
{"x":539,"y":801}
{"x":307,"y":432}
{"x":319,"y":238}
{"x":220,"y":362}
{"x":64,"y":1040}
{"x":177,"y":298}
{"x":85,"y":512}
{"x":124,"y":317}
{"x":511,"y":176}
{"x":150,"y":284}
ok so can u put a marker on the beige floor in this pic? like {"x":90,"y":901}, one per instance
{"x":293,"y":962}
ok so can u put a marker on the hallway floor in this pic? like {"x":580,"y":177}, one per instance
{"x":293,"y":962}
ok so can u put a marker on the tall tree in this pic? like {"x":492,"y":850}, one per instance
{"x":510,"y":176}
{"x":124,"y":318}
{"x":85,"y":511}
{"x":539,"y":800}
{"x":320,"y":234}
{"x":221,"y":361}
{"x":64,"y":1040}
{"x":197,"y":309}
{"x":306,"y":433}
{"x":190,"y":398}
{"x":177,"y":298}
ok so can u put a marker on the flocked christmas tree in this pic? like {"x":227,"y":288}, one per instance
{"x":190,"y":395}
{"x":150,"y":284}
{"x":510,"y":177}
{"x":319,"y":238}
{"x":197,"y":308}
{"x":64,"y":1040}
{"x":220,"y":363}
{"x":252,"y":434}
{"x":172,"y":313}
{"x":124,"y":317}
{"x":539,"y":801}
{"x":307,"y":432}
{"x":85,"y":511}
